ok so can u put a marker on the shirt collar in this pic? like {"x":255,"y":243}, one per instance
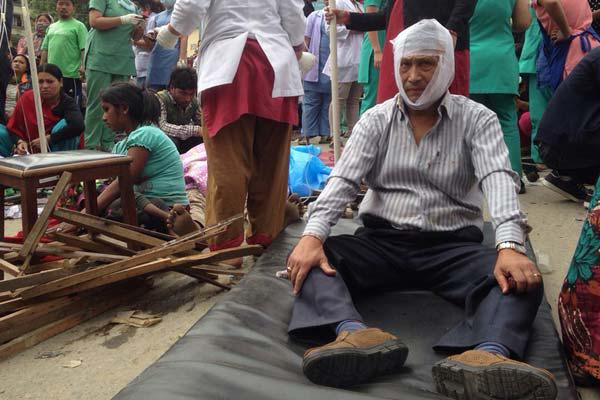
{"x":446,"y":106}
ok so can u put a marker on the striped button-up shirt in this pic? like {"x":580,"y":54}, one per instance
{"x":436,"y":185}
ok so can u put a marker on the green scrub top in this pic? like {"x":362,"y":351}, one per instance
{"x":110,"y":51}
{"x":163,"y":172}
{"x":367,"y":50}
{"x":494,"y":65}
{"x":531,"y":46}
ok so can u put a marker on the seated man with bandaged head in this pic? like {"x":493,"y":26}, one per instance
{"x":429,"y":159}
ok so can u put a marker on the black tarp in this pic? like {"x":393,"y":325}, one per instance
{"x":240,"y":349}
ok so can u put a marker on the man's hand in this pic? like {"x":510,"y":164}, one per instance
{"x":516,"y":271}
{"x":307,"y":254}
{"x":342,"y":16}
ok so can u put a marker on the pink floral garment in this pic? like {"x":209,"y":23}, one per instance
{"x":195,"y":169}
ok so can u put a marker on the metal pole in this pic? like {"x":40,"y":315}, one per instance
{"x":34,"y":78}
{"x":335,"y":107}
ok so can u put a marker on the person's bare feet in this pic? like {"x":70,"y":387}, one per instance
{"x":180,"y":222}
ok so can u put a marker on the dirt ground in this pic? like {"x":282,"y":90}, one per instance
{"x":112,"y":355}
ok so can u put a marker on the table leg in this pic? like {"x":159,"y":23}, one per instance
{"x":127,"y":197}
{"x":91,"y":197}
{"x":28,"y":207}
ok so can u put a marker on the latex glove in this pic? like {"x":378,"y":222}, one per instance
{"x":306,"y":62}
{"x":165,"y":37}
{"x":132,"y":19}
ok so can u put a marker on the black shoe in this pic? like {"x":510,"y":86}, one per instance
{"x":567,"y":187}
{"x":522,"y":190}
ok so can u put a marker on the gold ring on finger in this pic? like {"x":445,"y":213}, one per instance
{"x":536,"y":275}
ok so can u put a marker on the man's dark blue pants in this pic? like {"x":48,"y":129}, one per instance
{"x":454,"y":265}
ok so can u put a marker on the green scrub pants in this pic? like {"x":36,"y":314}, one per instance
{"x":504,"y":107}
{"x":97,"y":135}
{"x":538,"y":101}
{"x":370,"y":88}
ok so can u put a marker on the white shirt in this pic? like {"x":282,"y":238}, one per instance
{"x":349,"y":45}
{"x":277,"y":25}
{"x":437,"y":185}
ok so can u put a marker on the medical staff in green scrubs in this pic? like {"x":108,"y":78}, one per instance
{"x":109,"y":58}
{"x":494,"y":76}
{"x":368,"y":72}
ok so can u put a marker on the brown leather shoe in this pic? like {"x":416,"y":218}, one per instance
{"x":354,"y":357}
{"x":479,"y":375}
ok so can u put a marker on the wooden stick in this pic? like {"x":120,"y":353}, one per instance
{"x":140,"y":258}
{"x":335,"y":107}
{"x":219,"y":271}
{"x":39,"y":228}
{"x":9,"y":268}
{"x":194,"y":273}
{"x":12,"y":305}
{"x":82,"y":242}
{"x":106,"y":227}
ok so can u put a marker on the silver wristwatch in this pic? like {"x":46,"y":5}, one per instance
{"x":513,"y":246}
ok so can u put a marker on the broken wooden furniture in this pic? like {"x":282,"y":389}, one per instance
{"x":28,"y":173}
{"x":98,"y":271}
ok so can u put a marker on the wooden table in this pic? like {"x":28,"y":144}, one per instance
{"x":28,"y":173}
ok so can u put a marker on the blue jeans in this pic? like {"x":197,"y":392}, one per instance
{"x":315,"y":114}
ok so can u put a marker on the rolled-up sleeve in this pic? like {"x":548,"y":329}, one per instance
{"x":499,"y":183}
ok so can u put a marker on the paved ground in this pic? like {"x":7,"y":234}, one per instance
{"x":112,"y":355}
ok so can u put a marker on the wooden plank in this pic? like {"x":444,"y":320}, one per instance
{"x":82,"y":242}
{"x":11,"y":305}
{"x":140,"y":258}
{"x":220,"y":255}
{"x":33,"y":279}
{"x":157,"y":266}
{"x":219,"y":271}
{"x":9,"y":268}
{"x":144,"y":269}
{"x":39,"y":335}
{"x":158,"y":235}
{"x":39,"y":228}
{"x":76,"y":304}
{"x":106,"y":227}
{"x":116,"y":247}
{"x":33,"y":311}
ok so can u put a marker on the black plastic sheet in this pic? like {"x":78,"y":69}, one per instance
{"x":241,"y":350}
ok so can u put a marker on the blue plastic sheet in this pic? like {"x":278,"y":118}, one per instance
{"x":307,"y":172}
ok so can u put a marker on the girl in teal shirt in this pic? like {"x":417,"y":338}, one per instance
{"x":156,"y":169}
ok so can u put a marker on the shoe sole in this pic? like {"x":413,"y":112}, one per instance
{"x":508,"y":381}
{"x":560,"y":191}
{"x":348,"y":367}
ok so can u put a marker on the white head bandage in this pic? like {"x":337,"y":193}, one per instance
{"x":426,"y":38}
